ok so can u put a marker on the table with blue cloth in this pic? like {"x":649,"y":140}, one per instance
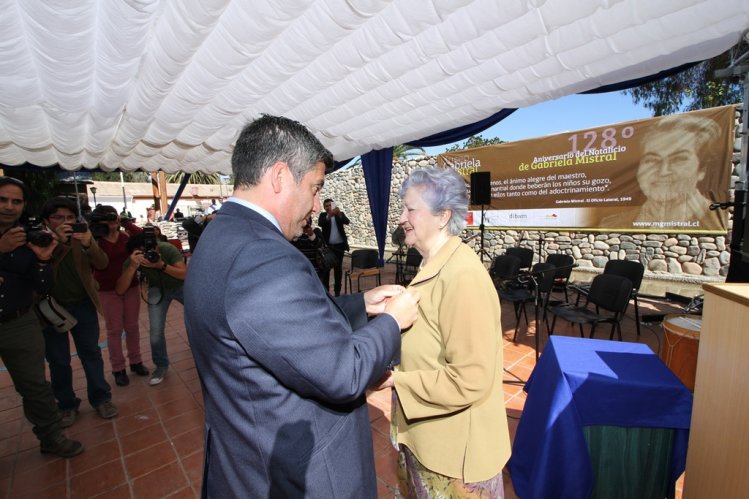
{"x":579,"y":384}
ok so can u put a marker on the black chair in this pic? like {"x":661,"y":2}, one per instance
{"x":563,"y":264}
{"x":631,"y":269}
{"x":411,"y":266}
{"x":537,"y":290}
{"x":504,"y":271}
{"x":609,"y":292}
{"x":524,"y":254}
{"x":634,"y":271}
{"x":363,"y":264}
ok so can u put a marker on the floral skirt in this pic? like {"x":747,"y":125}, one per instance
{"x":417,"y":482}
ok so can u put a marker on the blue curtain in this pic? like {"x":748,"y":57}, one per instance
{"x":378,"y":167}
{"x":178,"y":194}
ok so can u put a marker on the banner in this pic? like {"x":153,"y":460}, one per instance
{"x":651,"y":175}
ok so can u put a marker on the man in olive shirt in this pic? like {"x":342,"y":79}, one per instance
{"x":162,"y":266}
{"x":25,"y":269}
{"x":75,"y":289}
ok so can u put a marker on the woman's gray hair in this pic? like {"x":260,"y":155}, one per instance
{"x":442,"y":189}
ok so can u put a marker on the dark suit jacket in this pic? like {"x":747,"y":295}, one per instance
{"x":283,"y":367}
{"x":340,"y":221}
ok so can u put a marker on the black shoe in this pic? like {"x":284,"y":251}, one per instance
{"x":120,"y":378}
{"x":139,"y":369}
{"x":62,"y":447}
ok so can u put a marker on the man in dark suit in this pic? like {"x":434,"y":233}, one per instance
{"x":283,"y":366}
{"x":331,"y":222}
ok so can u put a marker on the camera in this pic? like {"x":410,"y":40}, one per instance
{"x":149,"y":245}
{"x":99,"y":223}
{"x":36,"y":234}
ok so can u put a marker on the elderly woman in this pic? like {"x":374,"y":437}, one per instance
{"x":449,"y":413}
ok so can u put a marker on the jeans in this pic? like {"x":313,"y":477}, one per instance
{"x":339,"y":250}
{"x":121,"y":313}
{"x":158,"y":305}
{"x":86,"y":337}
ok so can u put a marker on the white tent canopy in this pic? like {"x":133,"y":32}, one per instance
{"x":168,"y":85}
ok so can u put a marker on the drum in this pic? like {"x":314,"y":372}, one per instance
{"x":681,"y":340}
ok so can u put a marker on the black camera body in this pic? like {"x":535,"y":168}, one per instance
{"x":149,"y":245}
{"x":98,"y":223}
{"x":36,"y":234}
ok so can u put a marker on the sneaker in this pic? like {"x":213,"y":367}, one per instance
{"x":62,"y":447}
{"x":68,"y":417}
{"x":158,"y":375}
{"x":139,"y":369}
{"x":106,"y":410}
{"x":120,"y":378}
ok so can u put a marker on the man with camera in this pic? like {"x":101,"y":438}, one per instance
{"x":162,"y":266}
{"x":76,"y":254}
{"x":25,"y":254}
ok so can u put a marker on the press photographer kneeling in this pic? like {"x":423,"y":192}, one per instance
{"x":163,"y":270}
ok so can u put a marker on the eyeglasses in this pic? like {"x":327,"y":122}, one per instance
{"x":67,"y":218}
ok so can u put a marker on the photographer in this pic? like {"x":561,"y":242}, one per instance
{"x":161,"y":265}
{"x":120,"y":311}
{"x":75,"y":289}
{"x":24,"y":270}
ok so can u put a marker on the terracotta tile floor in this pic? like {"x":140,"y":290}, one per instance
{"x":154,"y":447}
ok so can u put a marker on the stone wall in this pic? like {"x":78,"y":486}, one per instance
{"x":671,"y":255}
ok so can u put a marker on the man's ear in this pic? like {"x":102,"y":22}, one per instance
{"x":279,"y":174}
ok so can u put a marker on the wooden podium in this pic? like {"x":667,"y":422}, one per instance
{"x":719,"y":434}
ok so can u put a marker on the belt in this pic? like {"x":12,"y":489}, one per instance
{"x":9,"y":316}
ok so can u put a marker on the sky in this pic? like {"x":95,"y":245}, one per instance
{"x":566,"y":114}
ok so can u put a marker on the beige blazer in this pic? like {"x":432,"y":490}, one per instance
{"x":451,"y":411}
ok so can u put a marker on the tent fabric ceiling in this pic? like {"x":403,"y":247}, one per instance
{"x":168,"y":85}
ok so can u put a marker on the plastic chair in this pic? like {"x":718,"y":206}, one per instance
{"x":609,"y":292}
{"x":563,"y":264}
{"x":363,"y":264}
{"x":524,"y":254}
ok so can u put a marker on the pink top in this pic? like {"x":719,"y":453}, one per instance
{"x":117,"y":254}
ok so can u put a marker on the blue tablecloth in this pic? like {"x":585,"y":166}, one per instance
{"x":580,"y":382}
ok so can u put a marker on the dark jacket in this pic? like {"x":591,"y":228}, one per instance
{"x":341,"y":219}
{"x":284,"y":367}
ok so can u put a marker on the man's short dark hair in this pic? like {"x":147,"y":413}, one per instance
{"x":14,"y":181}
{"x":56,"y":203}
{"x":269,"y":139}
{"x":327,"y":201}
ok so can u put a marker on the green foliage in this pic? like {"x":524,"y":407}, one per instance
{"x":42,"y":185}
{"x":195,"y":178}
{"x":692,"y":89}
{"x":405,"y":151}
{"x":115,"y":177}
{"x":474,"y":141}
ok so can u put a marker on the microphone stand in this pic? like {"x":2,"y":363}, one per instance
{"x":482,"y":251}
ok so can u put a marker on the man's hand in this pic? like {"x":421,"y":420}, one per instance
{"x":12,"y":239}
{"x":404,"y":307}
{"x":375,"y":299}
{"x":138,"y":259}
{"x":44,"y":254}
{"x":386,"y":381}
{"x":83,"y":237}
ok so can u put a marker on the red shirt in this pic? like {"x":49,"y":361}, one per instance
{"x":117,"y":254}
